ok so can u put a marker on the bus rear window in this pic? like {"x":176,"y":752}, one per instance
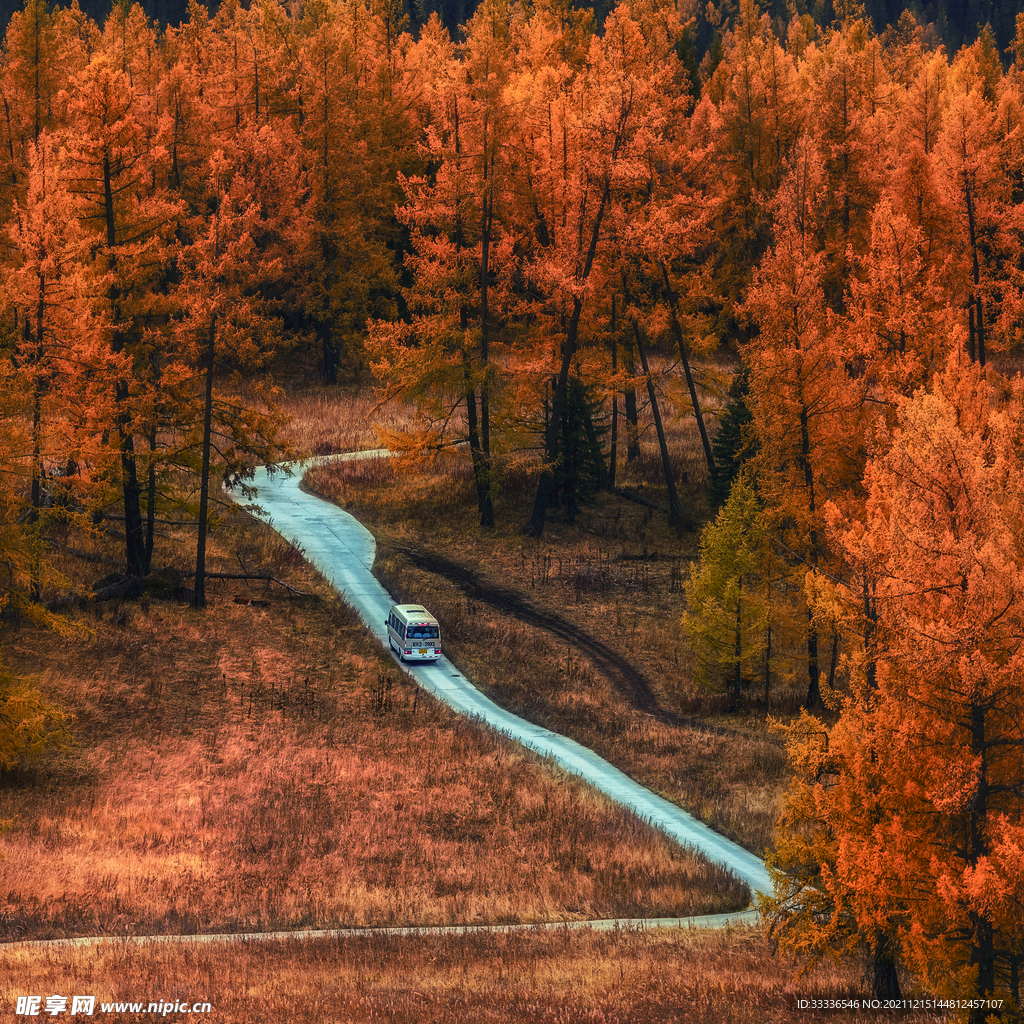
{"x":423,"y":632}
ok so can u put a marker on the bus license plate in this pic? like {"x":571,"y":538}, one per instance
{"x":423,"y":650}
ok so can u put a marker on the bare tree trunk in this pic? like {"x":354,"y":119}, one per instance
{"x":684,"y":356}
{"x":632,"y":415}
{"x":199,"y":595}
{"x":676,"y":515}
{"x":615,"y":406}
{"x":485,"y":500}
{"x":150,"y":500}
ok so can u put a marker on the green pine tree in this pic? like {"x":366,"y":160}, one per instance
{"x":735,"y":442}
{"x":580,"y":469}
{"x":729,"y":620}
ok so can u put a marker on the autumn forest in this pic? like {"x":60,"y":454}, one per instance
{"x":548,"y":236}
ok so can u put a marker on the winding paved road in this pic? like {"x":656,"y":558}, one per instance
{"x":342,"y":549}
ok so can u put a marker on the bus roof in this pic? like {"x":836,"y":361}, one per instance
{"x":414,"y":609}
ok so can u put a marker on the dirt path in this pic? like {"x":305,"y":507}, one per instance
{"x":623,"y":674}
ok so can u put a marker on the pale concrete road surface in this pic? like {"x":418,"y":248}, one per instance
{"x":343,"y":551}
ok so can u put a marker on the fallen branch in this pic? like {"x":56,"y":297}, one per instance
{"x":127,"y":588}
{"x":162,"y":522}
{"x":266,"y":577}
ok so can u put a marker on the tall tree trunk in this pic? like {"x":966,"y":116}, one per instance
{"x":35,"y":587}
{"x":983,"y":953}
{"x":833,"y":663}
{"x":535,"y":527}
{"x":972,"y":350}
{"x":977,"y":322}
{"x":632,"y":413}
{"x":870,"y":625}
{"x":329,"y":355}
{"x":613,"y":455}
{"x":546,"y":483}
{"x":199,"y":596}
{"x":679,"y":520}
{"x":135,"y":544}
{"x":472,"y":423}
{"x":134,"y":541}
{"x":813,"y":675}
{"x":684,"y":356}
{"x":485,"y":500}
{"x":150,"y":500}
{"x":885,"y":981}
{"x":738,"y":649}
{"x":981,"y":331}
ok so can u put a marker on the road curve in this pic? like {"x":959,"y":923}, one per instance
{"x":343,"y":550}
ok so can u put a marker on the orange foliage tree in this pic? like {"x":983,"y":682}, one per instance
{"x":903,"y":826}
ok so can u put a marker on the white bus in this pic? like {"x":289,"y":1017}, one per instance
{"x":414,"y":633}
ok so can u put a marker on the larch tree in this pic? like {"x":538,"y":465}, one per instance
{"x":896,"y":304}
{"x":603,"y":124}
{"x":56,"y":352}
{"x":460,"y":233}
{"x":360,"y":104}
{"x":750,"y":117}
{"x":805,"y":406}
{"x":729,"y":619}
{"x":231,"y":265}
{"x":130,"y":219}
{"x":911,"y":802}
{"x":975,"y":190}
{"x":844,"y":93}
{"x":31,"y":81}
{"x":459,"y":246}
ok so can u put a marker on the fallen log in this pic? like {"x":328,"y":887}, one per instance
{"x":265,"y":577}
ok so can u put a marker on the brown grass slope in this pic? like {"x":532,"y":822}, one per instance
{"x":264,"y":766}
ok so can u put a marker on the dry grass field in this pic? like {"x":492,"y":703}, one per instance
{"x":263,"y":766}
{"x":659,"y":977}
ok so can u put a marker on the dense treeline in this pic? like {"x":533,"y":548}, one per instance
{"x":951,"y":24}
{"x":505,"y":228}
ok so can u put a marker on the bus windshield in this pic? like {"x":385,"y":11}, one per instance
{"x":422,"y":632}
